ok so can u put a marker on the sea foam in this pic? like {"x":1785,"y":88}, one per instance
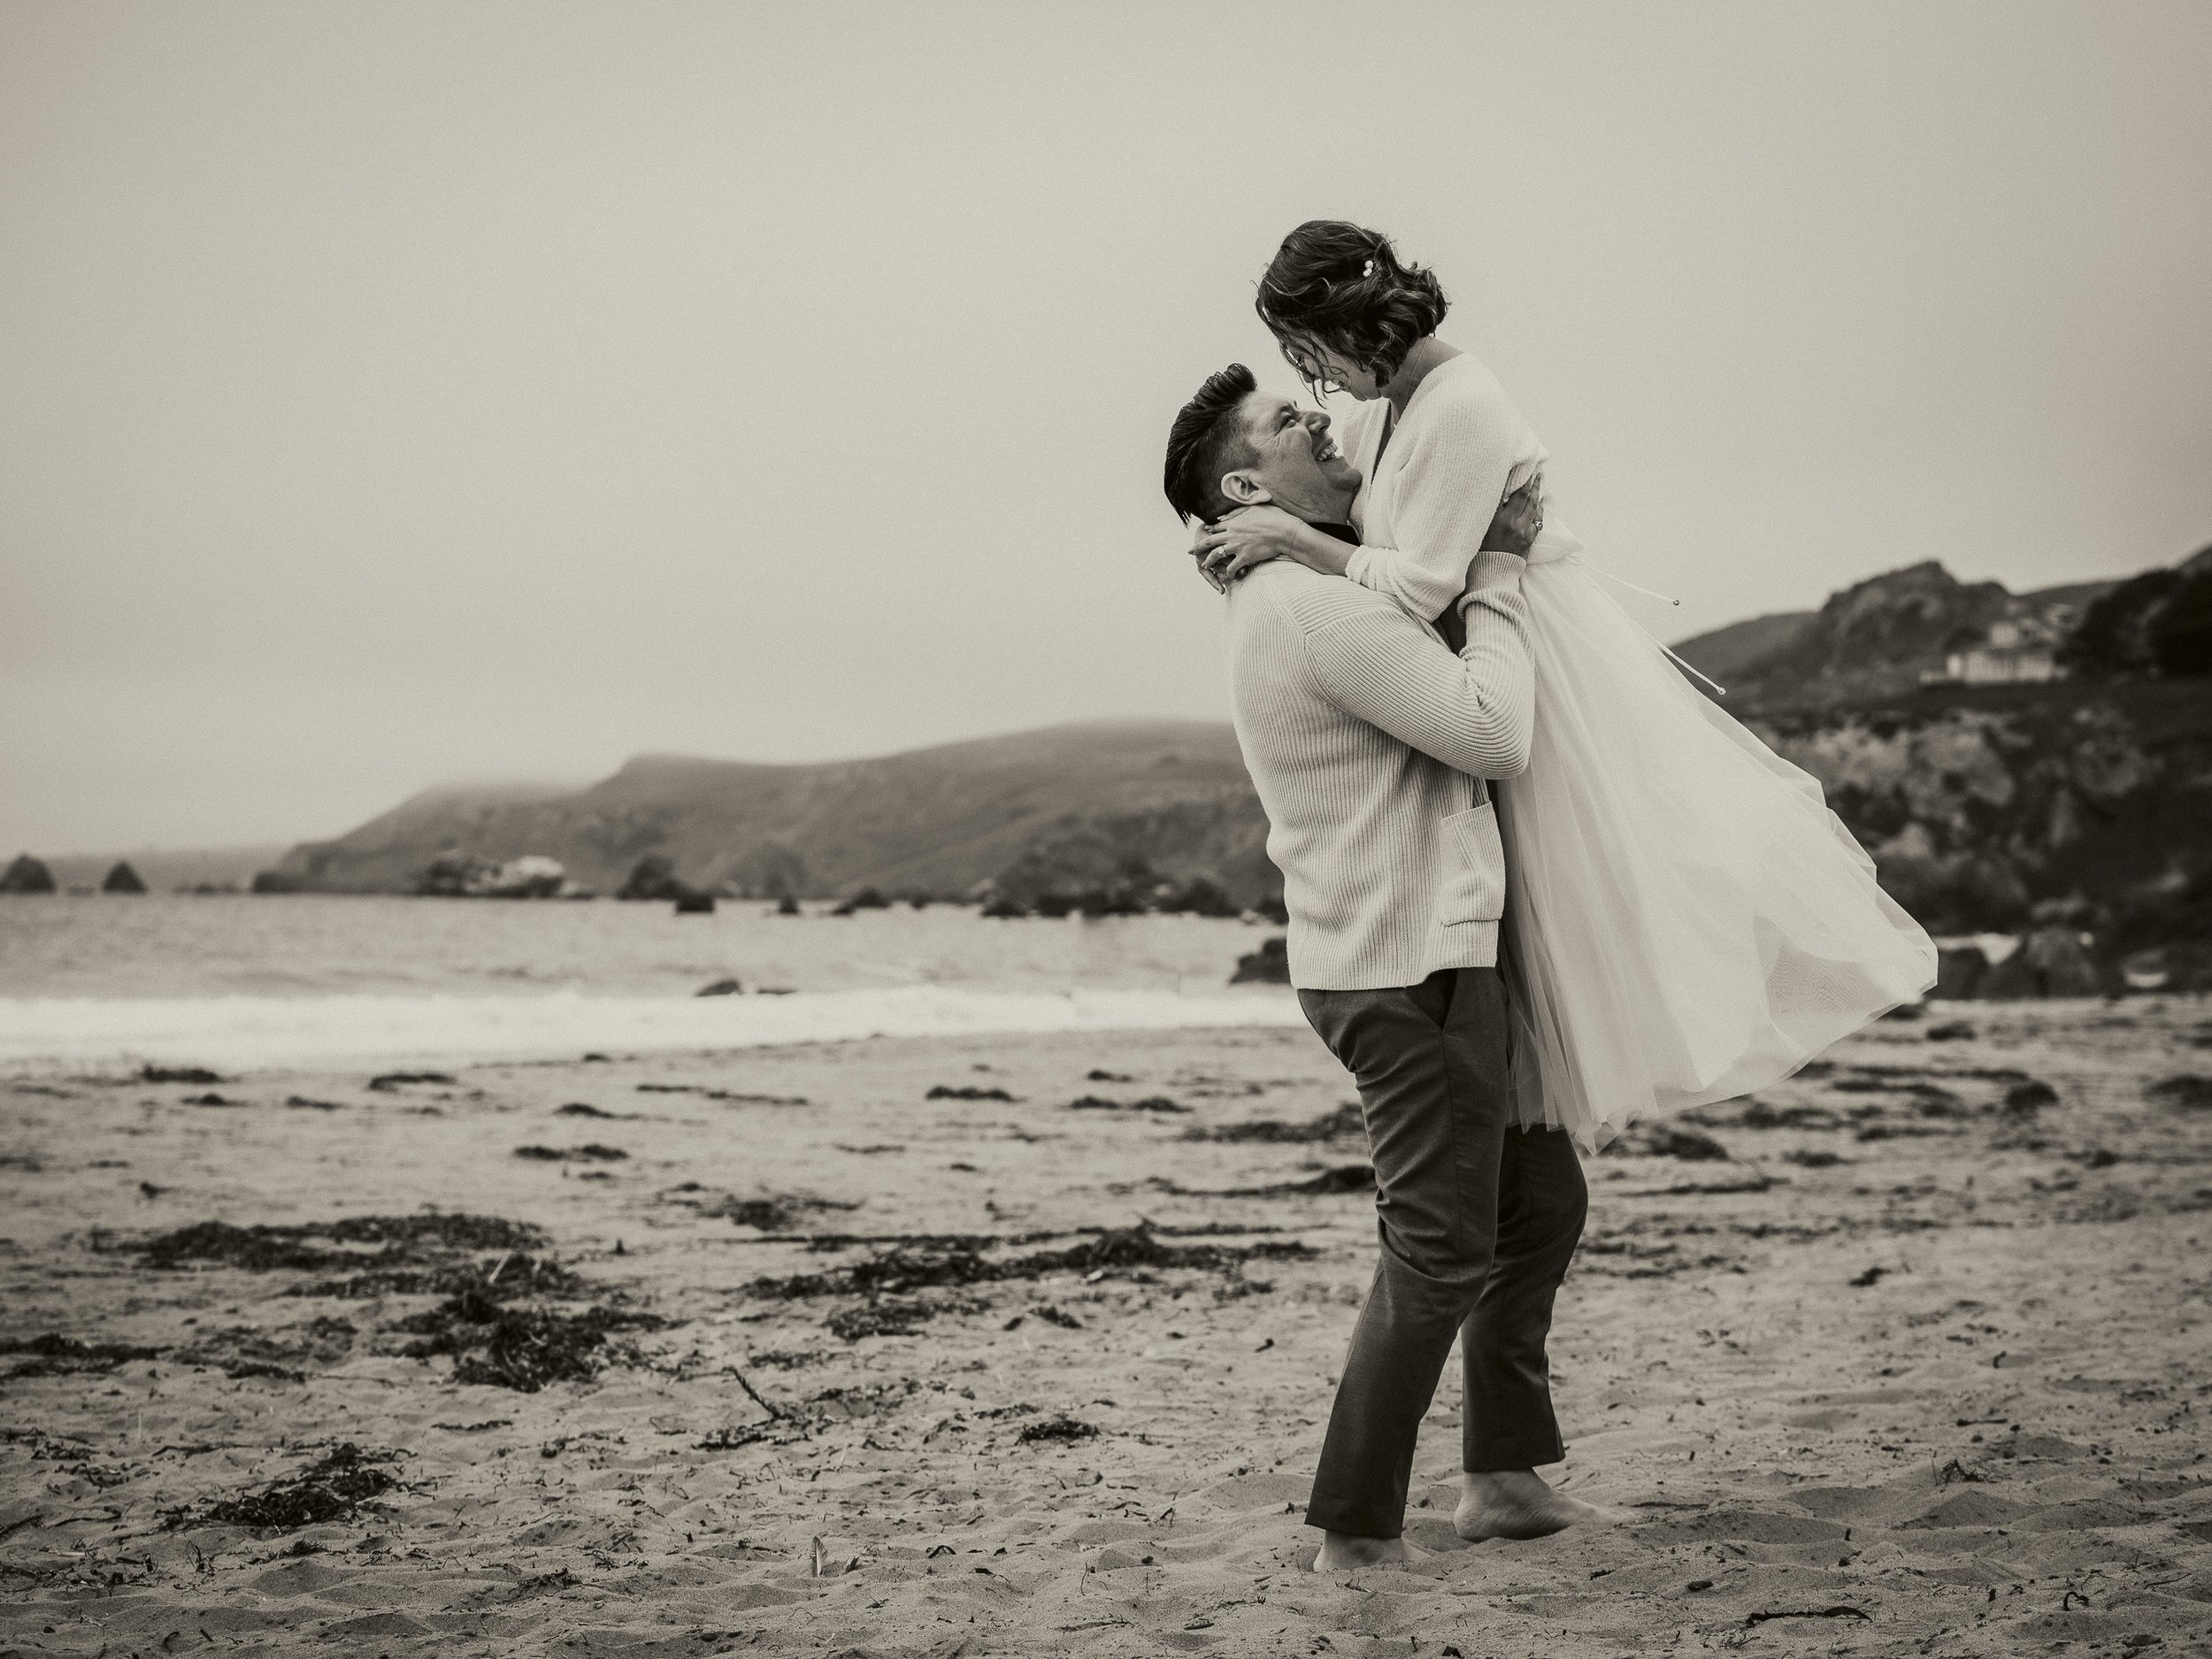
{"x":243,"y":1032}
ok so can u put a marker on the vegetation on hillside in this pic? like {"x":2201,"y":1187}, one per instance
{"x":2157,"y":623}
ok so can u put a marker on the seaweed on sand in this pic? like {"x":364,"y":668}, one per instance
{"x":522,"y":1349}
{"x":788,"y":1359}
{"x":1929,"y":1100}
{"x":1062,"y":1428}
{"x":258,"y":1249}
{"x":880,"y":1316}
{"x":1983,"y":1073}
{"x":54,"y":1354}
{"x":1759,"y":1115}
{"x":250,"y":1351}
{"x":723,"y":1094}
{"x":1330,"y":1126}
{"x":1759,"y":1181}
{"x":730,"y":1439}
{"x":329,"y":1489}
{"x":1665,"y":1141}
{"x":176,"y":1074}
{"x":1159,"y":1103}
{"x":517,"y":1273}
{"x":1345,"y":1178}
{"x":900,"y":1270}
{"x":820,"y":1242}
{"x":772,"y":1212}
{"x":799,"y":1421}
{"x":457,"y":1232}
{"x":413,"y":1256}
{"x":263,"y":1248}
{"x":2188,"y":1091}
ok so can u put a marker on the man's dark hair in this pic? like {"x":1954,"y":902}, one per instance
{"x":1206,"y":441}
{"x":1344,"y":287}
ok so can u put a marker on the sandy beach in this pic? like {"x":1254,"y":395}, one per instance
{"x":964,"y":1346}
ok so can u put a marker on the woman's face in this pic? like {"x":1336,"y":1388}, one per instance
{"x":1326,"y":369}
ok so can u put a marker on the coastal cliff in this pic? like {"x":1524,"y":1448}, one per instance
{"x":2076,"y":800}
{"x":937,"y":822}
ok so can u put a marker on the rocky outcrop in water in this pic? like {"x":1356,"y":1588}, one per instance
{"x":1270,"y":964}
{"x":26,"y":875}
{"x":122,"y":878}
{"x":1206,"y":858}
{"x":652,"y":877}
{"x":2049,"y":962}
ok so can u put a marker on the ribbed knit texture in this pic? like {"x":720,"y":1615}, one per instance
{"x":1361,"y":730}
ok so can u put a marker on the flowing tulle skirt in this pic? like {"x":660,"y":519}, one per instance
{"x":1686,"y":921}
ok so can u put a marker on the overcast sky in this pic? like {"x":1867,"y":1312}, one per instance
{"x":403,"y":393}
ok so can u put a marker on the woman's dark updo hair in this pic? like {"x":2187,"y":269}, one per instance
{"x":1344,"y":287}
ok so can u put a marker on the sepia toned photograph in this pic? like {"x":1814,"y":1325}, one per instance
{"x":911,"y":831}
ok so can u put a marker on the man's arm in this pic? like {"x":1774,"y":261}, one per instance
{"x":1474,"y":712}
{"x":1253,"y":535}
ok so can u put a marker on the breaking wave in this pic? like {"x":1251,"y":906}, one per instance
{"x":243,"y":1032}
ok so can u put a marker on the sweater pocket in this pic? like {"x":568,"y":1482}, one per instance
{"x":1474,"y":867}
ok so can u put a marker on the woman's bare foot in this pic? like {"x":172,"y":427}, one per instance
{"x":1342,"y":1552}
{"x":1516,"y":1503}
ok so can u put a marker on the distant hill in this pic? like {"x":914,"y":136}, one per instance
{"x":2076,"y":596}
{"x":936,"y":821}
{"x":1878,"y":638}
{"x":1895,"y":625}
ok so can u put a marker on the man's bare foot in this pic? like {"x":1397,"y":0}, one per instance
{"x":1516,"y":1503}
{"x":1342,"y":1552}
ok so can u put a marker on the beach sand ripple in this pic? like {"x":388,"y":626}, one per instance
{"x":1905,"y":1356}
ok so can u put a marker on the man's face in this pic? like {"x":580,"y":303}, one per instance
{"x":1298,"y":466}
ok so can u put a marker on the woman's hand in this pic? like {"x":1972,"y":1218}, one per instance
{"x":1519,"y":517}
{"x":1253,"y":535}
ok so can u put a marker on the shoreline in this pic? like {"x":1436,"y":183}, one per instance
{"x":264,"y":1034}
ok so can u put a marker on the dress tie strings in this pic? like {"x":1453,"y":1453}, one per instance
{"x":1719,"y":690}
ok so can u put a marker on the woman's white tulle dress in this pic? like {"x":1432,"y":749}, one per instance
{"x":1686,"y":919}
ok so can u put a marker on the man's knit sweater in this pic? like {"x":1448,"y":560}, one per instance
{"x":1361,"y":729}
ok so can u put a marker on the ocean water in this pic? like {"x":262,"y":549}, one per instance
{"x":296,"y":979}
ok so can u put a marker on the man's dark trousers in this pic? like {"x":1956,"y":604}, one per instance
{"x":1478,"y":1217}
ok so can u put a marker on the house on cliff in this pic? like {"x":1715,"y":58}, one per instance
{"x":2013,"y":653}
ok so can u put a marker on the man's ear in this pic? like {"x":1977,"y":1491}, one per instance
{"x":1242,"y":489}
